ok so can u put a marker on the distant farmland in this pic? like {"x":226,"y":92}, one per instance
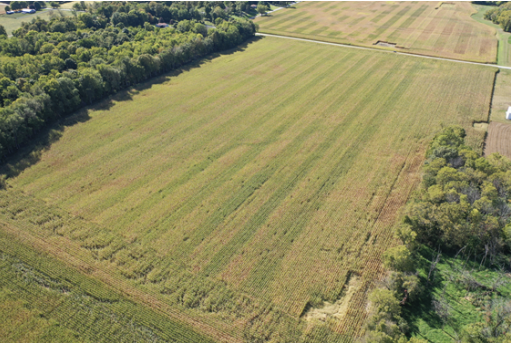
{"x":248,"y":190}
{"x":428,"y":28}
{"x":12,"y":22}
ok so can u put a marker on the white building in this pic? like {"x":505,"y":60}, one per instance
{"x":28,"y":10}
{"x":508,"y":113}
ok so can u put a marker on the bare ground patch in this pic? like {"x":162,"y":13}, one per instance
{"x":334,"y":310}
{"x":480,"y":126}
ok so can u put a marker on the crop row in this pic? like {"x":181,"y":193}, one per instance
{"x":447,"y":31}
{"x":253,"y":188}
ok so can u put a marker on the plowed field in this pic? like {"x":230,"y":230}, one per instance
{"x":499,"y":139}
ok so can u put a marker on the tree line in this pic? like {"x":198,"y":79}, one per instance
{"x":49,"y":69}
{"x":462,"y":208}
{"x":464,"y":199}
{"x":18,"y":5}
{"x":500,"y":15}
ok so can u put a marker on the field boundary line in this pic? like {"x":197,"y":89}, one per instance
{"x":383,"y":51}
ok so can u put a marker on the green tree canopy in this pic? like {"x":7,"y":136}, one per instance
{"x":261,"y":9}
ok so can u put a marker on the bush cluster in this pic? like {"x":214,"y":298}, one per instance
{"x":462,"y":204}
{"x":464,"y":198}
{"x":500,"y":15}
{"x":400,"y":287}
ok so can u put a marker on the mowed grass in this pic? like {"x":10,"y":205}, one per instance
{"x":12,"y":22}
{"x":504,"y":49}
{"x":254,"y":185}
{"x":416,"y":27}
{"x":501,"y":97}
{"x":69,"y":5}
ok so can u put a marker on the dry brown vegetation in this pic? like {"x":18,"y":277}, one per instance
{"x":427,"y":28}
{"x":241,"y":194}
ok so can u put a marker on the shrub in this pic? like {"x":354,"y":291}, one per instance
{"x":398,"y":258}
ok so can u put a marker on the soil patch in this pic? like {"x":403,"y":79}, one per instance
{"x":499,"y":139}
{"x":337,"y":309}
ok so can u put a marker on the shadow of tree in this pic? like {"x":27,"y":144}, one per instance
{"x":30,"y":153}
{"x":423,"y":307}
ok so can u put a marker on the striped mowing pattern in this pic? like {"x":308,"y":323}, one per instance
{"x":416,"y":27}
{"x":245,"y":187}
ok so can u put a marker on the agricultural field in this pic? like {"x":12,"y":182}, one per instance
{"x":70,"y":307}
{"x":499,"y":128}
{"x":443,"y":29}
{"x":12,"y":22}
{"x":498,"y":140}
{"x":250,"y":195}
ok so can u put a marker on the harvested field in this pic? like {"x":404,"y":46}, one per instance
{"x":243,"y":192}
{"x":416,"y":27}
{"x":499,"y":139}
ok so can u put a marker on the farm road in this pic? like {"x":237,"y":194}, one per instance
{"x":381,"y":50}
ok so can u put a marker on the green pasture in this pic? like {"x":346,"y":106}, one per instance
{"x":12,"y":22}
{"x":69,"y":4}
{"x":501,"y":97}
{"x":504,"y":48}
{"x":247,"y":187}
